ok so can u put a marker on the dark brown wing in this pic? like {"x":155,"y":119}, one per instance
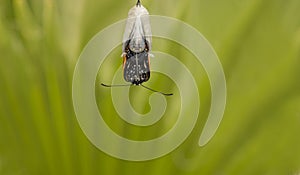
{"x":136,"y":66}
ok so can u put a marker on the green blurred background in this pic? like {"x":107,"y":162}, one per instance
{"x":258,"y":43}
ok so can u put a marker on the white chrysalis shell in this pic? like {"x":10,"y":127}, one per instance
{"x":137,"y":28}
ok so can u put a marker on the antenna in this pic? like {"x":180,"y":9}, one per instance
{"x":116,"y":85}
{"x":122,"y":85}
{"x":138,"y":3}
{"x":166,"y":94}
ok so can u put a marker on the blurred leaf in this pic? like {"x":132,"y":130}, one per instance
{"x":258,"y":43}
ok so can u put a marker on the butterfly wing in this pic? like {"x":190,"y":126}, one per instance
{"x":136,"y":66}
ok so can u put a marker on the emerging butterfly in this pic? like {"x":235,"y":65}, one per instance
{"x":137,"y":41}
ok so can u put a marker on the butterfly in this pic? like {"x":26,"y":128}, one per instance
{"x":136,"y":48}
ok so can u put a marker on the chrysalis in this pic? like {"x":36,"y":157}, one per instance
{"x":137,"y":45}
